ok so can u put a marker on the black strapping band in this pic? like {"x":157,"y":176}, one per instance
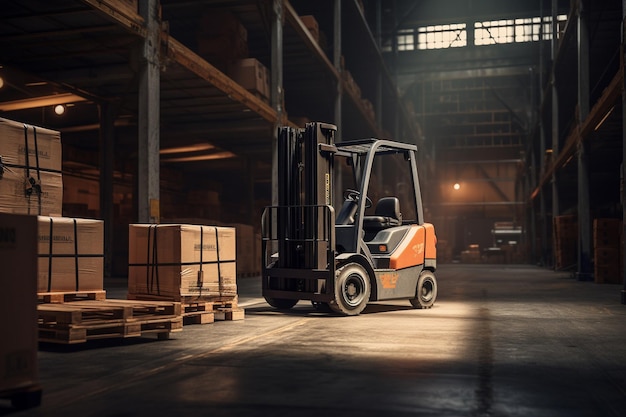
{"x":50,"y":258}
{"x":76,"y":254}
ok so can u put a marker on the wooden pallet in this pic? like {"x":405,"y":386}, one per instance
{"x":64,"y":297}
{"x":204,"y":309}
{"x":23,"y":397}
{"x":79,"y":321}
{"x":230,"y":314}
{"x":198,"y":313}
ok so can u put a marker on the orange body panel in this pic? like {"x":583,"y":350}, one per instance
{"x":431,"y":241}
{"x":419,"y":244}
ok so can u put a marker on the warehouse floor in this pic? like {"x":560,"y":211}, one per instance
{"x":500,"y":341}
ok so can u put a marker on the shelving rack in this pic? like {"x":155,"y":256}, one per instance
{"x":141,"y":86}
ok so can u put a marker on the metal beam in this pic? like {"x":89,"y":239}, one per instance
{"x":276,"y":87}
{"x":597,"y":113}
{"x":584,"y":215}
{"x":623,"y":91}
{"x":107,"y":153}
{"x":148,"y":184}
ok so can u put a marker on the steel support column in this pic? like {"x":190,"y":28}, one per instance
{"x":276,"y":95}
{"x":543,"y":216}
{"x":149,"y":114}
{"x":337,"y":64}
{"x":107,"y":150}
{"x":555,"y":114}
{"x":623,"y":146}
{"x":338,"y":186}
{"x":584,"y":216}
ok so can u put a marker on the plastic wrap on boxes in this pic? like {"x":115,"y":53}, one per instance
{"x":30,"y":169}
{"x":71,"y":254}
{"x":181,"y":260}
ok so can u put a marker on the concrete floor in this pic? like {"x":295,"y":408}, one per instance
{"x":500,"y":341}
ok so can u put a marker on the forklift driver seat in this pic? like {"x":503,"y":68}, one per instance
{"x":386,"y":214}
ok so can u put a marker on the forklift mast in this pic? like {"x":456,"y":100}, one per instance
{"x":305,"y":196}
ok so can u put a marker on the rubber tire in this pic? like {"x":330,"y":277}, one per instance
{"x":425,"y":291}
{"x":349,"y":278}
{"x":321,"y":307}
{"x":281,"y":303}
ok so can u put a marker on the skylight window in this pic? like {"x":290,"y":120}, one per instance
{"x":490,"y":32}
{"x":442,"y":36}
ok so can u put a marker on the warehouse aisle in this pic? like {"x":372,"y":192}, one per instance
{"x":501,"y":341}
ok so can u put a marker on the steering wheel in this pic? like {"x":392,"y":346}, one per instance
{"x":354,"y":195}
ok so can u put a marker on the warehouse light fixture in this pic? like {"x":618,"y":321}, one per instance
{"x":456,"y":186}
{"x":31,"y":103}
{"x":206,"y":157}
{"x":59,"y":109}
{"x":186,"y":149}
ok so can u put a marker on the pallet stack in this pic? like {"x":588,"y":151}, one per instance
{"x":191,"y":264}
{"x":608,"y":244}
{"x":565,"y":234}
{"x":69,"y":252}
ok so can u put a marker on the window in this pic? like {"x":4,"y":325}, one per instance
{"x":406,"y":40}
{"x":518,"y":30}
{"x":490,"y":32}
{"x":442,"y":36}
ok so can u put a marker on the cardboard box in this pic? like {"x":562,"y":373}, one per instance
{"x":180,"y":260}
{"x":247,"y":262}
{"x":18,"y":301}
{"x":71,"y":254}
{"x":311,"y":24}
{"x":221,"y":38}
{"x":30,"y":169}
{"x":14,"y":198}
{"x":252,"y":75}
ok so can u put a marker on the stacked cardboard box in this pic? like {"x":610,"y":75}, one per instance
{"x":607,"y":243}
{"x":248,"y":251}
{"x":176,"y":261}
{"x":311,"y":24}
{"x":252,"y":75}
{"x":222,"y":39}
{"x":18,"y":303}
{"x":351,"y":84}
{"x":71,"y":254}
{"x":565,"y":236}
{"x":30,"y":170}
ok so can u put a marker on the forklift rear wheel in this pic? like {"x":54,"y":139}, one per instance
{"x":281,"y":303}
{"x":352,"y":290}
{"x":426,"y":291}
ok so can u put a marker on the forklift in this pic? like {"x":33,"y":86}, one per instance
{"x":364,"y":252}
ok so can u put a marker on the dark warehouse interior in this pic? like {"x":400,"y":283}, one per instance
{"x":169,"y":112}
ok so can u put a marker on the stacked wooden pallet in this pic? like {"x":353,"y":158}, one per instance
{"x":608,"y":259}
{"x":203,"y":310}
{"x":565,"y":241}
{"x":79,"y":321}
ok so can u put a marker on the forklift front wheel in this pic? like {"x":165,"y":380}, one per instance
{"x":352,"y":290}
{"x":426,"y":291}
{"x":281,"y":303}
